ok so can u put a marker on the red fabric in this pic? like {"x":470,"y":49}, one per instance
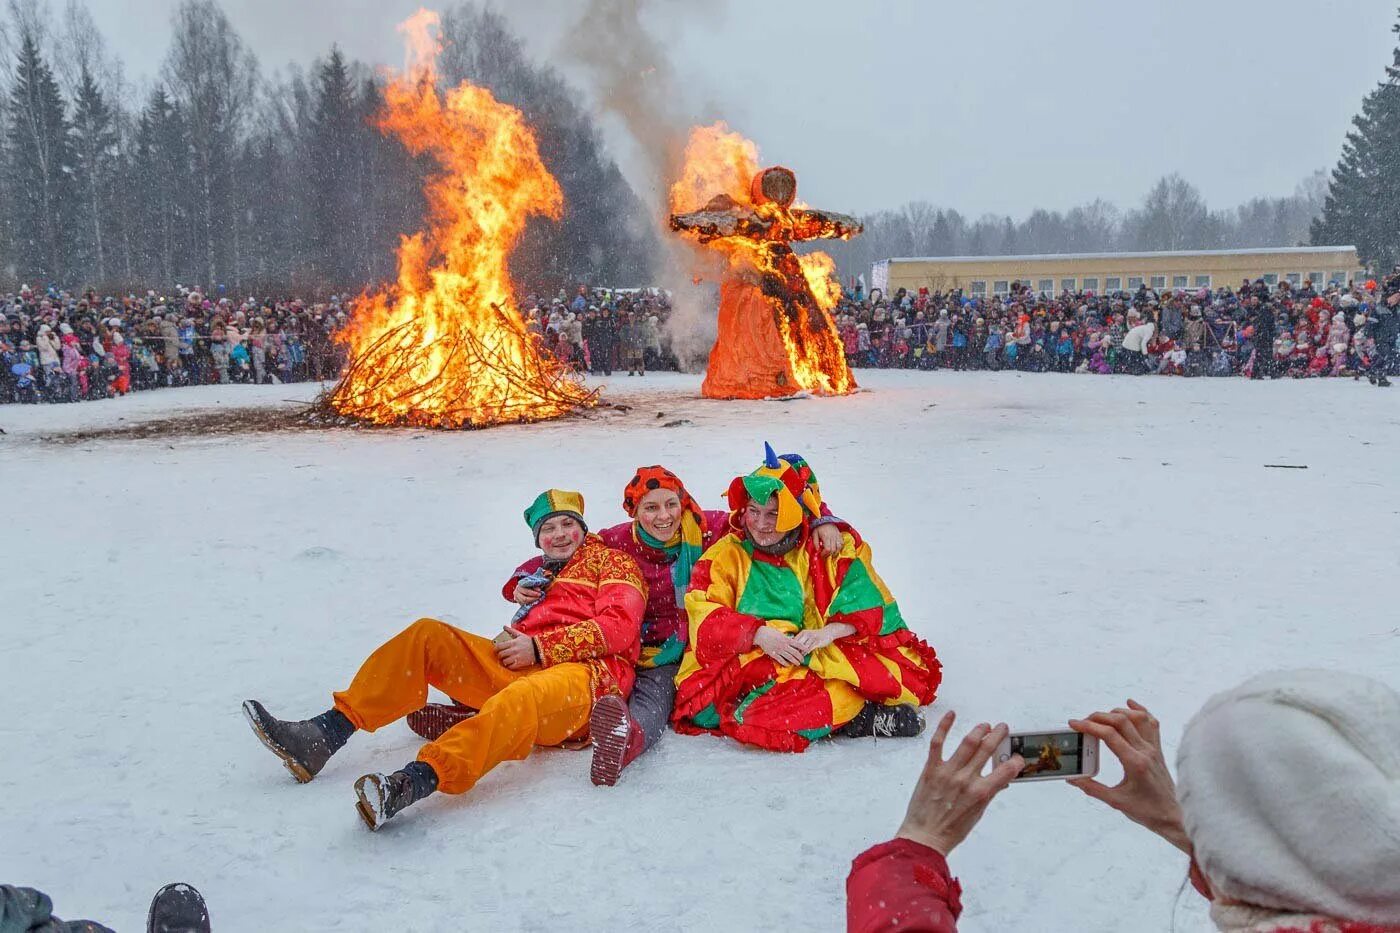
{"x":663,"y":617}
{"x":591,"y":612}
{"x":902,"y":885}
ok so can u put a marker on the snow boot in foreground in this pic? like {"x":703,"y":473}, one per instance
{"x":381,"y":796}
{"x":304,"y":746}
{"x":177,"y":908}
{"x":881,"y":721}
{"x":433,"y":720}
{"x":617,"y":740}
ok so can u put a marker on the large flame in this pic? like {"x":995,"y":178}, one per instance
{"x":720,"y":162}
{"x":444,"y":346}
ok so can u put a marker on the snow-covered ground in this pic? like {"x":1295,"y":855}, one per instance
{"x":1064,"y":542}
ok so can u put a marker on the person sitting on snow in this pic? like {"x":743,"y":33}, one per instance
{"x":787,"y":645}
{"x":667,"y":532}
{"x":534,"y":685}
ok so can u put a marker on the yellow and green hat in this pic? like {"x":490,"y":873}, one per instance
{"x":554,"y":502}
{"x":790,"y":479}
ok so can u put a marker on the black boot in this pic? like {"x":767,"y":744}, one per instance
{"x":304,"y":746}
{"x":876,"y":719}
{"x":177,"y":908}
{"x":382,"y":796}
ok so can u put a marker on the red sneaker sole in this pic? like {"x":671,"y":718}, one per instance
{"x":433,"y":720}
{"x":608,"y":726}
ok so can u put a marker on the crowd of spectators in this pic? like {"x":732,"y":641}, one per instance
{"x":62,"y":347}
{"x":603,"y":330}
{"x":1254,"y":330}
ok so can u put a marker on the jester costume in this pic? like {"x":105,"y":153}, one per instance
{"x":728,"y":686}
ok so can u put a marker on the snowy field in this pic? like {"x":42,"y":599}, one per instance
{"x":1063,"y":542}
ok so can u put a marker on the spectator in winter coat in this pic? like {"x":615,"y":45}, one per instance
{"x":1274,"y":848}
{"x":1133,"y":354}
{"x":536,"y":684}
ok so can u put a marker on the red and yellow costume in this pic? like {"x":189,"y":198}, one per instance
{"x":728,"y":686}
{"x":586,"y":629}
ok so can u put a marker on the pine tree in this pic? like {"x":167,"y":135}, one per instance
{"x":38,"y":162}
{"x":96,"y":164}
{"x":335,"y":137}
{"x":1363,"y":201}
{"x":162,"y":191}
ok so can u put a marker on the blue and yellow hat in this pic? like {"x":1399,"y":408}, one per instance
{"x":787,"y":477}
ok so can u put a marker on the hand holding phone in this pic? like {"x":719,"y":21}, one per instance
{"x":1147,"y":793}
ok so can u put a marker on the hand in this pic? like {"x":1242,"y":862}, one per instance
{"x":524,"y":595}
{"x":952,"y":795}
{"x":779,"y":647}
{"x":829,"y":540}
{"x":811,"y":639}
{"x":516,"y":652}
{"x":1147,"y":793}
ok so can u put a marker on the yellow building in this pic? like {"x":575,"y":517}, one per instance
{"x":1103,"y":273}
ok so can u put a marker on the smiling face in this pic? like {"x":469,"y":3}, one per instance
{"x":761,"y":521}
{"x":560,"y":536}
{"x":659,"y":514}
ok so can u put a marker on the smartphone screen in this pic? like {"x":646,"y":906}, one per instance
{"x":1048,"y":754}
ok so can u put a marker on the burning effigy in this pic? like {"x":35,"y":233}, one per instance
{"x":444,"y":346}
{"x":776,"y":335}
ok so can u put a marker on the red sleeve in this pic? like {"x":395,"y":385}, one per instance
{"x":615,"y":627}
{"x":902,"y":886}
{"x":524,"y":570}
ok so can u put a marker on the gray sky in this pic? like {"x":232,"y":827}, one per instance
{"x":1000,"y":105}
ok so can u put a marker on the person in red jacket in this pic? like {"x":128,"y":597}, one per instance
{"x":535,"y":684}
{"x":904,"y":884}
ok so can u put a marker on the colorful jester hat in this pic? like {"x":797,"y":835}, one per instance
{"x":790,"y":479}
{"x":554,"y":502}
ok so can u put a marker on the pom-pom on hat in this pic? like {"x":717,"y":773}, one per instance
{"x":554,"y":502}
{"x":793,"y":483}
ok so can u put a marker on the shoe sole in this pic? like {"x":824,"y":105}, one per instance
{"x":433,"y":720}
{"x":608,"y":727}
{"x":297,"y":769}
{"x":367,"y":809}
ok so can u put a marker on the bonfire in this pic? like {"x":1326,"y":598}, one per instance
{"x":776,"y":334}
{"x":444,"y":346}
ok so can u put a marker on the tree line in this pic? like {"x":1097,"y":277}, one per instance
{"x":224,"y":177}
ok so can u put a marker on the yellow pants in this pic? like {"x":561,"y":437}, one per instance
{"x":519,"y":709}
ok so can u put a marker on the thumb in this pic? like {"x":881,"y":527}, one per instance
{"x":514,"y":631}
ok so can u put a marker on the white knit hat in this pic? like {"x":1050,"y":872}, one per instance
{"x":1290,"y":785}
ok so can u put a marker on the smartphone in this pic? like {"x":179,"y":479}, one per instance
{"x":1052,"y":756}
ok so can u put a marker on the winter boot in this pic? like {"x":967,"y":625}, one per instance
{"x":436,"y":718}
{"x":304,"y":746}
{"x":177,"y":908}
{"x":617,"y":739}
{"x":382,"y":796}
{"x":881,"y":721}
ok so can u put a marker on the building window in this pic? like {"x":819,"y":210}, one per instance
{"x":1113,"y":284}
{"x":1047,"y":286}
{"x":1203,"y":281}
{"x":1315,"y":278}
{"x":1178,"y":281}
{"x":1271,"y":279}
{"x":1134,"y":282}
{"x":1001,"y":287}
{"x":1091,"y":284}
{"x":1337,"y":278}
{"x":1066,"y":285}
{"x":1294,"y":278}
{"x":979,"y":288}
{"x":1159,"y":281}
